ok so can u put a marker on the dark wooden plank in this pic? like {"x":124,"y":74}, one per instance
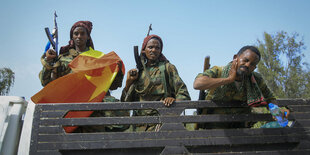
{"x":302,"y":124}
{"x":156,"y":104}
{"x":278,"y":152}
{"x":167,"y":142}
{"x":47,"y":152}
{"x":136,"y":105}
{"x":50,"y":129}
{"x":134,"y":151}
{"x":241,"y":148}
{"x":103,"y":106}
{"x":300,"y":116}
{"x":158,"y":119}
{"x":99,"y":121}
{"x":287,"y":102}
{"x":299,"y":108}
{"x":169,"y":135}
{"x":52,"y":114}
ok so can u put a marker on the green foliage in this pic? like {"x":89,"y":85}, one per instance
{"x":7,"y":77}
{"x":282,"y":67}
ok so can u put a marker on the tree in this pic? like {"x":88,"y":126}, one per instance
{"x":7,"y":77}
{"x":282,"y":65}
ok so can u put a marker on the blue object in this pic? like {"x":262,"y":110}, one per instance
{"x":273,"y":124}
{"x":277,"y":113}
{"x":48,"y":45}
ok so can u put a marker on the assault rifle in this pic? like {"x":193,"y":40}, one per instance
{"x":138,"y":57}
{"x":202,"y":93}
{"x":52,"y":37}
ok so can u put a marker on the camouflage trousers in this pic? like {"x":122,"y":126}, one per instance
{"x":146,"y":127}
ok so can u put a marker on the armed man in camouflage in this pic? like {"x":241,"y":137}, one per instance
{"x":158,"y":81}
{"x":236,"y":81}
{"x":57,"y":66}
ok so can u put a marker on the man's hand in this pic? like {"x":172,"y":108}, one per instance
{"x":168,"y":101}
{"x":283,"y":113}
{"x":233,"y":70}
{"x":132,"y":75}
{"x":50,"y":55}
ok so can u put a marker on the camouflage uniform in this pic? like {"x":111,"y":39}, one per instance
{"x":234,"y":94}
{"x":60,"y":68}
{"x":164,"y":82}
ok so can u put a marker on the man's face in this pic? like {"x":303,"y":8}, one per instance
{"x":80,"y":36}
{"x":153,"y":49}
{"x":247,"y":62}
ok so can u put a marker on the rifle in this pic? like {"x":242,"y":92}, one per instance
{"x":52,"y":37}
{"x":202,"y":93}
{"x":138,"y":57}
{"x":150,"y":29}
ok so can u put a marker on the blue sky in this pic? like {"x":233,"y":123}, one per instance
{"x":190,"y":29}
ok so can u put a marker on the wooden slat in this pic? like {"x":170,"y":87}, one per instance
{"x":280,"y":152}
{"x":158,"y":119}
{"x":52,"y":114}
{"x":299,"y":108}
{"x":170,"y":135}
{"x":241,"y":148}
{"x":135,"y":151}
{"x":167,"y":142}
{"x":50,"y":129}
{"x":300,"y":116}
{"x":156,"y":104}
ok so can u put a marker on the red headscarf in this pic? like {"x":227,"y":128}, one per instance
{"x":147,"y":39}
{"x":88,"y":26}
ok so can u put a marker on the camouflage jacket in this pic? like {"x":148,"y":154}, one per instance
{"x":237,"y":94}
{"x":164,"y":82}
{"x":58,"y":69}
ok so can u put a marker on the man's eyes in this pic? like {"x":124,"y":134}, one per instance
{"x":79,"y":33}
{"x":157,"y":48}
{"x":245,"y":60}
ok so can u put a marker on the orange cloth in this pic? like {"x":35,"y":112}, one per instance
{"x":93,"y":74}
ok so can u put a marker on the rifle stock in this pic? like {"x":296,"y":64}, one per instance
{"x":137,"y":58}
{"x":202,"y":93}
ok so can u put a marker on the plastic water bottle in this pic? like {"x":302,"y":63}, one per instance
{"x":277,"y":113}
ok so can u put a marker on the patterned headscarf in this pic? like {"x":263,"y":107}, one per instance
{"x":147,"y":39}
{"x":88,"y":26}
{"x":254,"y":96}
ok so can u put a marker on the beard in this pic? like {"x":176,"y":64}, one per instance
{"x":242,"y":73}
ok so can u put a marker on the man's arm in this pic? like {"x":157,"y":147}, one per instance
{"x":206,"y":82}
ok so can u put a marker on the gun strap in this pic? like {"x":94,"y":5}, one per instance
{"x":148,"y":80}
{"x":150,"y":83}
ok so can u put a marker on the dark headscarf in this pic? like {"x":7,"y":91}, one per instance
{"x":147,"y":39}
{"x":88,"y":26}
